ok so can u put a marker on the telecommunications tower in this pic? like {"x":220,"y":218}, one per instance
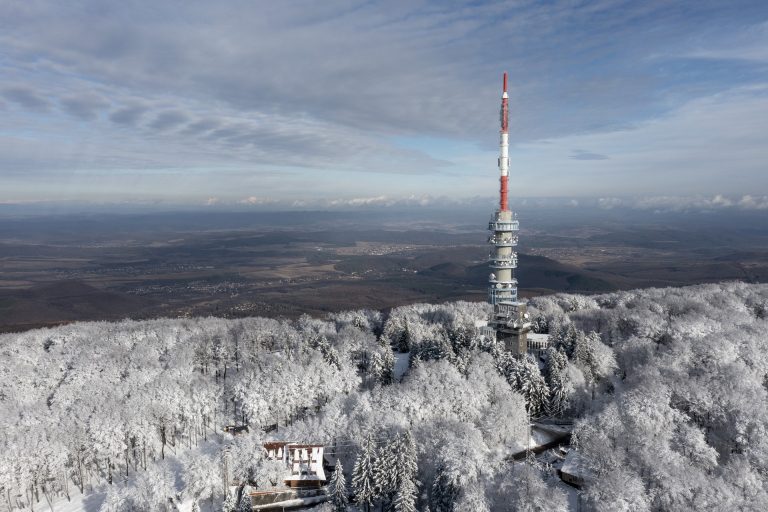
{"x":509,"y":323}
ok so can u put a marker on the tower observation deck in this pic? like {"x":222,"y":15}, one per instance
{"x":509,"y":323}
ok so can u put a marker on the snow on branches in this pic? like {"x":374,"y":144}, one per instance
{"x":668,"y":387}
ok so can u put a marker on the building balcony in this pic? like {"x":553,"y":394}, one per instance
{"x":501,"y":295}
{"x":503,"y":241}
{"x":503,"y":262}
{"x":506,"y":284}
{"x":506,"y":311}
{"x":503,"y":225}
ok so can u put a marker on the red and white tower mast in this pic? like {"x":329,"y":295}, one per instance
{"x":509,"y":321}
{"x":504,"y":149}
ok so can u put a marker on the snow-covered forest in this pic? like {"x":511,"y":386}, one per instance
{"x":667,"y":388}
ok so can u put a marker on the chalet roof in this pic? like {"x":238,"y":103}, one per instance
{"x":274,"y":445}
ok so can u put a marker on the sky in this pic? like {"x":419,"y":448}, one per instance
{"x":352,"y":103}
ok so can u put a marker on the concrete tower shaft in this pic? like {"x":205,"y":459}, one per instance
{"x":509,"y":322}
{"x":502,"y":285}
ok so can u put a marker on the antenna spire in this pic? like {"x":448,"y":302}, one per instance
{"x":504,"y":149}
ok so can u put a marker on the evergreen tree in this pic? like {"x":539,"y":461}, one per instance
{"x":229,"y":504}
{"x":245,"y":503}
{"x":558,"y":401}
{"x":461,"y":360}
{"x":396,"y":471}
{"x":383,"y":365}
{"x":534,"y":388}
{"x":540,"y":324}
{"x":404,"y":340}
{"x":375,"y":369}
{"x":524,"y":376}
{"x":330,"y":355}
{"x":555,"y":364}
{"x":567,"y":336}
{"x":387,"y":374}
{"x":444,"y":492}
{"x":406,"y":464}
{"x":385,"y":470}
{"x":363,"y":482}
{"x":509,"y":366}
{"x":405,"y":498}
{"x":587,"y":356}
{"x":196,"y":506}
{"x":337,"y":489}
{"x":555,"y":376}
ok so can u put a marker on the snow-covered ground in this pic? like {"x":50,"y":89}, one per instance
{"x":401,"y":364}
{"x":79,"y":502}
{"x":298,"y":502}
{"x":544,"y":434}
{"x":573,"y":497}
{"x":92,"y":501}
{"x":539,"y":437}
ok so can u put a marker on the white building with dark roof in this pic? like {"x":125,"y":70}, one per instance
{"x":303,"y":462}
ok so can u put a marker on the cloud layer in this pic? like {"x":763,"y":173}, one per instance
{"x":293,"y":100}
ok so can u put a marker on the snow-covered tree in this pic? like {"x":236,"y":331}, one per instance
{"x":363,"y":478}
{"x":523,"y":489}
{"x":385,"y":470}
{"x":114,"y":501}
{"x":230,"y":503}
{"x":679,"y":418}
{"x":202,"y":478}
{"x":556,"y":364}
{"x":153,"y":489}
{"x":383,"y":365}
{"x":595,"y":359}
{"x":245,"y":504}
{"x":268,"y":473}
{"x":405,"y":497}
{"x":473,"y":498}
{"x":444,"y":493}
{"x":525,"y":377}
{"x":337,"y":489}
{"x":405,"y":457}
